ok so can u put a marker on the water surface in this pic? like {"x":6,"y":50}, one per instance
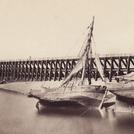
{"x":18,"y":115}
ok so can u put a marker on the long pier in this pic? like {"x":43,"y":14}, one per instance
{"x":58,"y":69}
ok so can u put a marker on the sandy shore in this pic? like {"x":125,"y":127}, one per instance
{"x":25,"y":87}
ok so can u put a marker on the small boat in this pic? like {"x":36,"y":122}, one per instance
{"x":77,"y":88}
{"x":125,"y":93}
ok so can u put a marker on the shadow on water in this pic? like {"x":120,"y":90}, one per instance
{"x":69,"y":111}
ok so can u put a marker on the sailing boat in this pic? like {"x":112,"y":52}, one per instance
{"x":75,"y":91}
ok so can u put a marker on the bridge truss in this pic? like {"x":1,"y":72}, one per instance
{"x":58,"y":69}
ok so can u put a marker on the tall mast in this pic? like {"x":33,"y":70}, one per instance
{"x":87,"y":52}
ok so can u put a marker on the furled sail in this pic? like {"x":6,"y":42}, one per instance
{"x":76,"y":69}
{"x":83,"y":59}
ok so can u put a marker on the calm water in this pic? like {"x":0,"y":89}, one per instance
{"x":18,"y":115}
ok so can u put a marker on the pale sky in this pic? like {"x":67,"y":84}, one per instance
{"x":55,"y":28}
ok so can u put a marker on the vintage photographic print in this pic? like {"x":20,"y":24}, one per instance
{"x":66,"y":67}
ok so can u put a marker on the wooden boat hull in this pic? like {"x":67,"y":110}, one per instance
{"x":63,"y":103}
{"x":90,"y":97}
{"x":89,"y":100}
{"x":80,"y":102}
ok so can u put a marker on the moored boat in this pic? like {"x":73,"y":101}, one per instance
{"x":74,"y":90}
